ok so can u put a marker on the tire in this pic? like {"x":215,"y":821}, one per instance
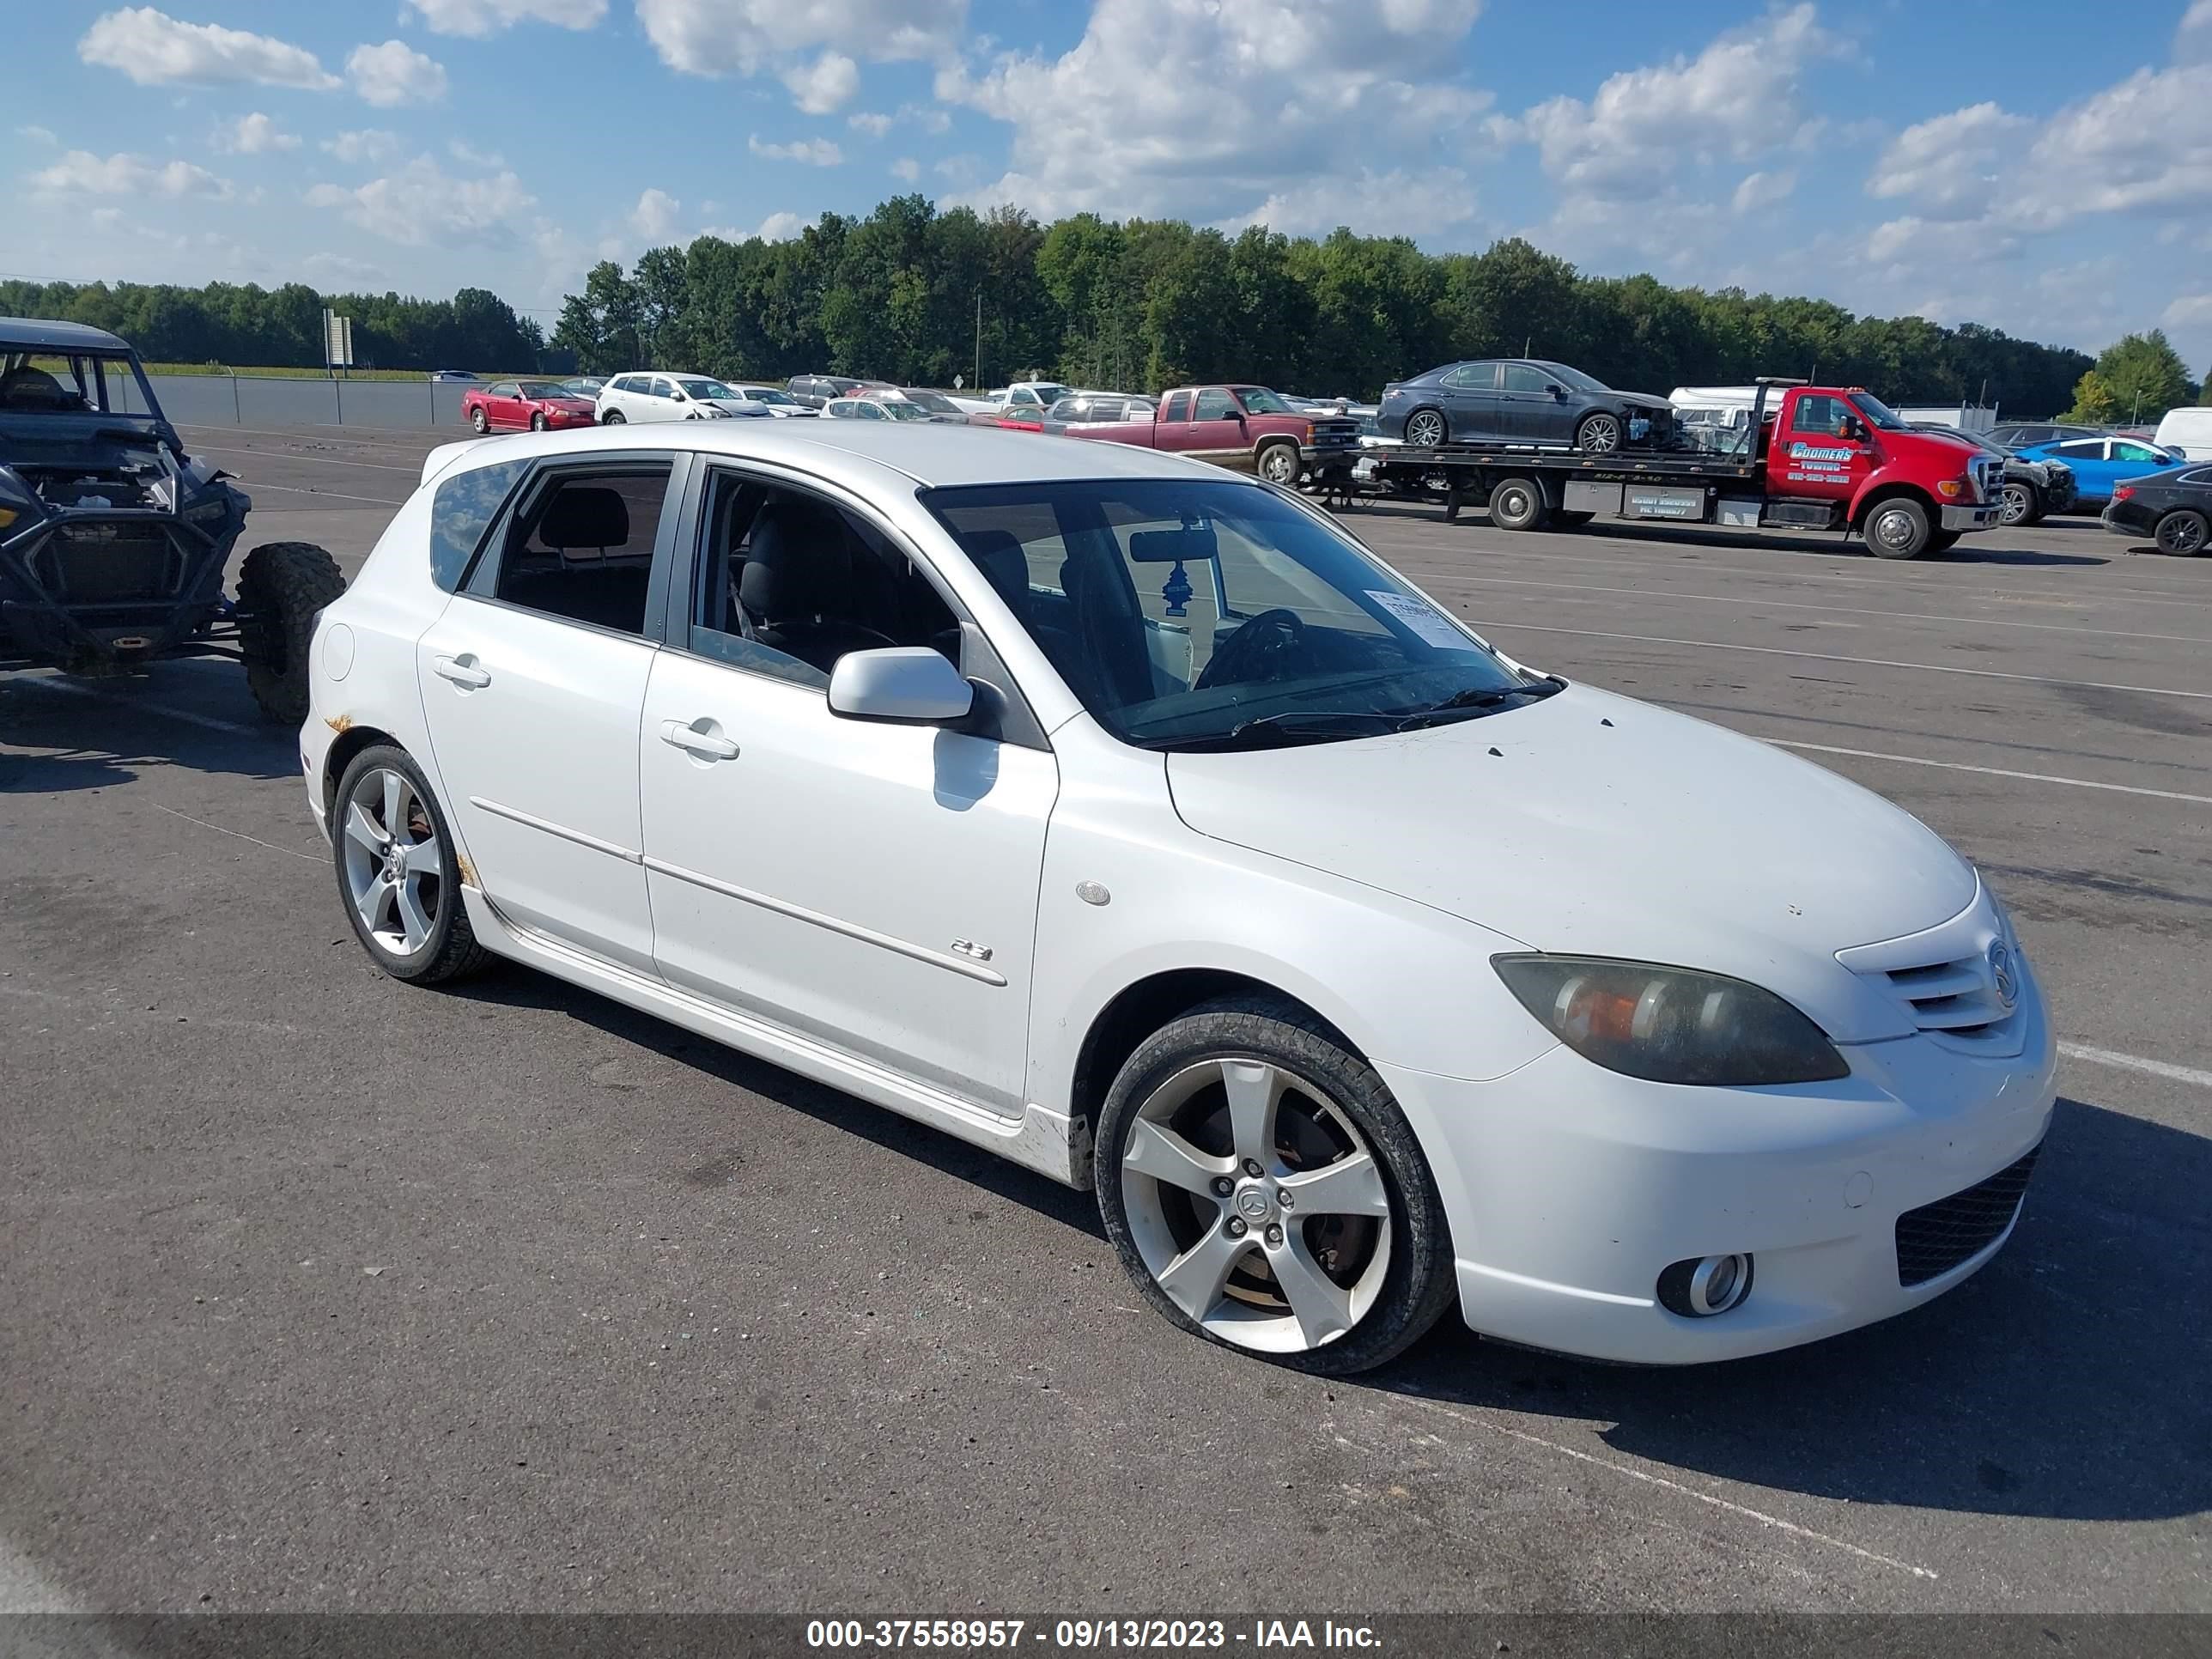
{"x":2183,"y":532}
{"x":1571,"y":521}
{"x":613,"y":418}
{"x":1425,"y":428}
{"x":443,"y":946}
{"x":281,"y":587}
{"x":1517,"y":504}
{"x":538,"y":421}
{"x":1376,"y":1276}
{"x":1942,"y":541}
{"x":2018,"y":503}
{"x":480,"y":420}
{"x":1278,"y":463}
{"x":1599,"y":434}
{"x":1898,"y":528}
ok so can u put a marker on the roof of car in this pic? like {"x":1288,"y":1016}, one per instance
{"x":47,"y":336}
{"x":867,"y":454}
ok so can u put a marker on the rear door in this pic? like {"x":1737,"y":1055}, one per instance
{"x":532,"y":681}
{"x":1815,"y":456}
{"x":1471,"y":403}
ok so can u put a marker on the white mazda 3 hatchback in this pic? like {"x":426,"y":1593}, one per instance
{"x":1132,"y":821}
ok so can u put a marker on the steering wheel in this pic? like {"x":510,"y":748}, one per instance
{"x":1253,"y":651}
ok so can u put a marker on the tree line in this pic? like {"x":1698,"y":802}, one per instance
{"x":246,"y":326}
{"x":916,"y":296}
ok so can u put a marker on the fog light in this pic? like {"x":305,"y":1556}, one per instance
{"x":1707,"y":1286}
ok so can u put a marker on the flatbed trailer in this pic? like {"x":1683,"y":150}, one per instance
{"x":1907,"y":492}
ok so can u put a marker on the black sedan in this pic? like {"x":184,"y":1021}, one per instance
{"x":1519,"y":401}
{"x":2173,"y":508}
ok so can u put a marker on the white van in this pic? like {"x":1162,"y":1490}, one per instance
{"x":2187,"y":432}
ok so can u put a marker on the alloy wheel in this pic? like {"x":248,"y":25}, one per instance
{"x":1426,"y":429}
{"x":395,"y":875}
{"x":2013,"y":503}
{"x":1256,"y":1205}
{"x":1600,"y":434}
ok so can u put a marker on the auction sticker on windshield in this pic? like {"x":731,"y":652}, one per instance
{"x":1431,"y":628}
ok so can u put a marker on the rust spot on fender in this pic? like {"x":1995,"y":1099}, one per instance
{"x":468,"y":873}
{"x":340,"y":724}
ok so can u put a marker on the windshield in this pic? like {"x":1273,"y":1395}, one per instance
{"x":540,"y":389}
{"x":73,"y":383}
{"x":905,"y":411}
{"x":768,"y":394}
{"x":1575,"y":378}
{"x":710,"y":389}
{"x":1878,"y":413}
{"x":1192,"y":614}
{"x":932,"y":402}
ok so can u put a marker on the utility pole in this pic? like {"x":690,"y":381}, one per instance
{"x":979,"y":340}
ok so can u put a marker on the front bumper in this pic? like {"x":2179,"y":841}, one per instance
{"x":1969,"y":517}
{"x":1570,"y":1188}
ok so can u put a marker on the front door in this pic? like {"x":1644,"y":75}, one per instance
{"x":1819,"y":453}
{"x":2093,"y":469}
{"x":1530,"y":412}
{"x":872,"y":887}
{"x":1216,"y":432}
{"x":532,"y":683}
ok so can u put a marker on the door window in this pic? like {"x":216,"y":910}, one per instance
{"x":1215,"y":405}
{"x":2082,"y":449}
{"x":2122,"y":451}
{"x":1519,"y":377}
{"x":503,"y":389}
{"x":1177,"y":407}
{"x":1472,"y":377}
{"x":789,"y":582}
{"x":580,"y":547}
{"x":1822,"y":414}
{"x":460,"y":513}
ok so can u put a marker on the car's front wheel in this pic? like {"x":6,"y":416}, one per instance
{"x":2017,"y":505}
{"x":479,"y":420}
{"x":1599,"y":434}
{"x":1264,"y":1190}
{"x":398,"y":870}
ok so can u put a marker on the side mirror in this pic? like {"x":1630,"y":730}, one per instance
{"x":1854,"y":429}
{"x":681,"y":399}
{"x":1556,"y":389}
{"x":903,"y":684}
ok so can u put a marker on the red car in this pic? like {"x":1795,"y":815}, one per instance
{"x":510,"y":405}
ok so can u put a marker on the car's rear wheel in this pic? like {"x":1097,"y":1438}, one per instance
{"x":1599,"y":434}
{"x":1425,"y":428}
{"x":398,"y":872}
{"x":1517,"y":504}
{"x":612,"y":417}
{"x":281,"y":587}
{"x":1898,"y":529}
{"x":2183,"y":532}
{"x":1264,"y":1192}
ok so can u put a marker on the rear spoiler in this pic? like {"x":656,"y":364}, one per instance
{"x":444,"y":454}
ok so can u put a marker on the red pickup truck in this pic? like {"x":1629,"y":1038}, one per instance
{"x":1245,"y":426}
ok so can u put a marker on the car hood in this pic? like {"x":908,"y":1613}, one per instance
{"x":1640,"y":400}
{"x":1591,"y":824}
{"x":735,"y":405}
{"x":570,"y":406}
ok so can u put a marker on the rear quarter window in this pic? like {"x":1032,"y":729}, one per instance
{"x":461,"y":512}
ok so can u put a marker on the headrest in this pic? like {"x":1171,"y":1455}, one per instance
{"x":798,"y":561}
{"x":997,"y":553}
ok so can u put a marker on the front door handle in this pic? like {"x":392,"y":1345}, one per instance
{"x":462,"y":670}
{"x":708,"y":745}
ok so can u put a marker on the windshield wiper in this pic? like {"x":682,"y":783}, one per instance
{"x":1482,"y":696}
{"x":1291,"y":727}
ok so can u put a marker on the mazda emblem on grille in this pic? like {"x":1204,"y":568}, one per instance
{"x":2000,"y":973}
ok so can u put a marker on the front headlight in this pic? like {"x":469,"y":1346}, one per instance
{"x":210,"y":509}
{"x":1670,"y":1025}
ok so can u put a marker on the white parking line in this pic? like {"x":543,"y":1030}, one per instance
{"x":2136,"y":1063}
{"x":236,"y":834}
{"x":1864,"y":662}
{"x":310,"y":460}
{"x":327,"y":494}
{"x":1675,"y":1486}
{"x":1988,"y":771}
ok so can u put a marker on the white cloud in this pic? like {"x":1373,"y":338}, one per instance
{"x":1736,"y":99}
{"x":1759,"y":190}
{"x":2191,"y":310}
{"x":469,"y":156}
{"x":364,"y":144}
{"x":253,"y":135}
{"x":341,"y":268}
{"x":826,"y":85}
{"x":80,"y":173}
{"x":743,"y":37}
{"x":1206,"y":110}
{"x":815,"y":152}
{"x":776,"y":228}
{"x":2192,"y":41}
{"x":874,"y":124}
{"x":653,"y":218}
{"x":395,"y":72}
{"x":1391,"y":203}
{"x":421,"y":204}
{"x":37,"y":134}
{"x":1948,"y":166}
{"x":479,"y":18}
{"x":906,"y":168}
{"x":154,"y":49}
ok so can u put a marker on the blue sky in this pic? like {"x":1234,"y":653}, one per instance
{"x":2042,"y":167}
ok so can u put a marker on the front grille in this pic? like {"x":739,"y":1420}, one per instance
{"x":1958,"y":999}
{"x":1938,"y":1237}
{"x":100,"y":563}
{"x":1962,"y":983}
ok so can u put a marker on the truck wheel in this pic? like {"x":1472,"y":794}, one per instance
{"x":1599,"y":434}
{"x":2183,"y":532}
{"x":1898,"y":528}
{"x":1517,"y":504}
{"x":2017,"y":504}
{"x":283,"y":587}
{"x":1425,"y":428}
{"x":1278,"y":463}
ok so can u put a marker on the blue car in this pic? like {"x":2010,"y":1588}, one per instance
{"x":2102,"y":465}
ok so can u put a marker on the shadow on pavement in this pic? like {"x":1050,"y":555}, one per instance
{"x":88,"y":735}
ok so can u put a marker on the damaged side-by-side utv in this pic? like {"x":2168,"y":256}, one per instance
{"x":113,"y":542}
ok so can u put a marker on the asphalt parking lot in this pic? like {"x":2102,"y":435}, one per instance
{"x":327,"y":1294}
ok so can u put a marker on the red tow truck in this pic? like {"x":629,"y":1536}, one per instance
{"x":1812,"y":458}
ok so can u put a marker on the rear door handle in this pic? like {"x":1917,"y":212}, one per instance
{"x":708,"y":745}
{"x":462,"y":670}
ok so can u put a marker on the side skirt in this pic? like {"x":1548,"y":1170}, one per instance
{"x":1042,"y":1139}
